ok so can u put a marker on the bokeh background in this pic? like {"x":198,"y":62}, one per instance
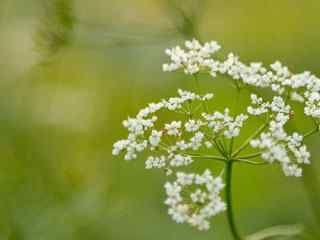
{"x":71,"y":71}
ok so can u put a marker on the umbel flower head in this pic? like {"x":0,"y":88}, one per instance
{"x":194,"y":198}
{"x":199,"y":131}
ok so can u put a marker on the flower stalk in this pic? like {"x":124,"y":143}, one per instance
{"x":228,"y":191}
{"x":247,"y":142}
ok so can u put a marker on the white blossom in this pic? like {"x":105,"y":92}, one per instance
{"x":192,"y":125}
{"x":155,"y":138}
{"x":278,"y":78}
{"x":180,"y":160}
{"x":192,"y":59}
{"x":196,"y":140}
{"x":230,"y":126}
{"x":173,"y":128}
{"x":195,"y":206}
{"x":276,"y":143}
{"x":171,"y":141}
{"x":155,"y":162}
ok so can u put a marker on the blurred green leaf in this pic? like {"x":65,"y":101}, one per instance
{"x":55,"y":28}
{"x":283,"y":232}
{"x":186,"y":15}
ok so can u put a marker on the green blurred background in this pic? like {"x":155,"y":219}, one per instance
{"x":71,"y":71}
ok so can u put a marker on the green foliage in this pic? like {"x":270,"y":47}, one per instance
{"x":55,"y":27}
{"x":186,"y":16}
{"x":284,"y":232}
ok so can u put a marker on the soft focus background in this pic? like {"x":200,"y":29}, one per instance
{"x":71,"y":71}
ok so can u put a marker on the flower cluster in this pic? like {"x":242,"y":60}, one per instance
{"x":194,"y":198}
{"x":197,"y":131}
{"x":142,"y":133}
{"x":302,"y":87}
{"x":193,"y":59}
{"x":171,"y":143}
{"x":275,"y":143}
{"x":230,"y":126}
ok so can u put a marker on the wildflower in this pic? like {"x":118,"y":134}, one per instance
{"x":219,"y":122}
{"x":155,"y":138}
{"x":276,"y":143}
{"x":195,"y":207}
{"x":192,"y":125}
{"x":180,"y":160}
{"x":194,"y":198}
{"x":173,"y":128}
{"x":155,"y":162}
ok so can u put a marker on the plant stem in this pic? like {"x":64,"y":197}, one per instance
{"x":204,"y":105}
{"x":228,"y":188}
{"x":253,"y":155}
{"x":208,"y":157}
{"x":313,"y":131}
{"x":239,"y":160}
{"x":247,"y":142}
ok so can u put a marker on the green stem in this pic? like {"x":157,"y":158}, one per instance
{"x":313,"y":131}
{"x":249,"y":162}
{"x":247,"y":142}
{"x":204,"y":105}
{"x":228,"y":189}
{"x":219,"y":148}
{"x":237,"y":104}
{"x":208,"y":157}
{"x":249,"y":156}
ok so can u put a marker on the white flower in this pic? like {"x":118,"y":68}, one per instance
{"x":196,"y":140}
{"x":199,"y":221}
{"x":208,"y":144}
{"x":155,"y":138}
{"x":193,"y":44}
{"x":278,"y":78}
{"x":184,"y":178}
{"x":173,"y":128}
{"x":180,"y":160}
{"x":182,"y":145}
{"x":194,"y":198}
{"x":259,"y":107}
{"x":207,"y":96}
{"x":210,"y":47}
{"x":192,"y":59}
{"x":224,"y":122}
{"x":119,"y":146}
{"x":195,"y":206}
{"x":276,"y":144}
{"x":297,"y":97}
{"x":167,"y":152}
{"x":155,"y":162}
{"x":199,"y":196}
{"x":192,"y":125}
{"x":292,"y":170}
